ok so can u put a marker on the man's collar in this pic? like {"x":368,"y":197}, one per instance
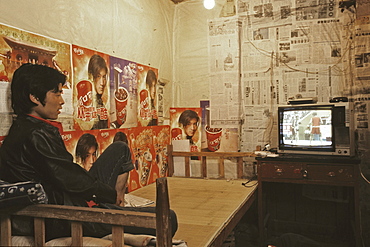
{"x":53,"y":123}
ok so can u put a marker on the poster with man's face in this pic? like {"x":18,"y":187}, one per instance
{"x":147,"y":78}
{"x":90,"y":92}
{"x":186,"y":125}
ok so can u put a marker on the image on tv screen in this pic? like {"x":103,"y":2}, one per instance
{"x":308,"y":127}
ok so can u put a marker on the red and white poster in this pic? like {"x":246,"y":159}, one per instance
{"x":147,"y":79}
{"x":161,"y":140}
{"x":143,"y":156}
{"x":90,"y":92}
{"x":186,"y":125}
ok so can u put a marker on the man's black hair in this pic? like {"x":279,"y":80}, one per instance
{"x":33,"y":79}
{"x":186,"y":116}
{"x":151,"y":78}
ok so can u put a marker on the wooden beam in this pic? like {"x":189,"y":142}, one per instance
{"x":214,"y":154}
{"x":85,"y":214}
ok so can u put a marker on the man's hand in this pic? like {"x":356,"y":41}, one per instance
{"x":121,"y":184}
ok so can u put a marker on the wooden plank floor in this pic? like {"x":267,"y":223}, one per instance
{"x":207,"y":209}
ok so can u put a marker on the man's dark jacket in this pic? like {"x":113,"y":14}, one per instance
{"x":34,"y":151}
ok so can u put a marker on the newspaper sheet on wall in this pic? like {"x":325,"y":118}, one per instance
{"x":362,"y":59}
{"x":224,"y":70}
{"x":361,"y":88}
{"x":259,"y":127}
{"x":291,"y":49}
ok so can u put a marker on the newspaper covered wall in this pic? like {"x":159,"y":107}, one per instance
{"x":268,"y":53}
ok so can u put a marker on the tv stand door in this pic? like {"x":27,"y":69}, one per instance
{"x":286,"y":188}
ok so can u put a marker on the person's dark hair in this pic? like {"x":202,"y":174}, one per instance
{"x":186,"y":116}
{"x":84,"y":144}
{"x":96,"y":63}
{"x":120,"y":136}
{"x":150,"y":78}
{"x":36,"y":80}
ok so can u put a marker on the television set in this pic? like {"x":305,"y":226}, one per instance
{"x":322,"y":129}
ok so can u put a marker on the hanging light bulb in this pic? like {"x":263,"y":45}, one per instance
{"x":209,"y":4}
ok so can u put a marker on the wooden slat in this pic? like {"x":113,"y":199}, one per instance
{"x":6,"y":231}
{"x":170,"y":161}
{"x":221,"y":167}
{"x":164,"y":230}
{"x":39,"y":233}
{"x":187,"y":166}
{"x":239,"y":168}
{"x":204,"y":166}
{"x":118,"y":236}
{"x":76,"y":233}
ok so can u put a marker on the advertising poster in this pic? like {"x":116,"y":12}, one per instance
{"x":186,"y":125}
{"x":90,"y":92}
{"x":124,"y":93}
{"x":161,"y":140}
{"x":18,"y":47}
{"x":143,"y":156}
{"x":108,"y":136}
{"x":147,"y":79}
{"x":79,"y":144}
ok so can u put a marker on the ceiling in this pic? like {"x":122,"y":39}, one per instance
{"x":177,"y":1}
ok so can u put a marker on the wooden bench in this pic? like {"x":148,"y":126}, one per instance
{"x":76,"y":215}
{"x":221,"y":156}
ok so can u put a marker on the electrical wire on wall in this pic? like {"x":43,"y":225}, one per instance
{"x":240,"y":87}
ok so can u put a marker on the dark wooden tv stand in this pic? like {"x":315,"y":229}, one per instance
{"x":311,"y":195}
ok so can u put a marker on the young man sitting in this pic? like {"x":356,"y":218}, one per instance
{"x":34,"y":151}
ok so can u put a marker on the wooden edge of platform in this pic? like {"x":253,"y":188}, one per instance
{"x":224,"y":230}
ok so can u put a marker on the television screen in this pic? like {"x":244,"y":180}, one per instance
{"x":306,"y":127}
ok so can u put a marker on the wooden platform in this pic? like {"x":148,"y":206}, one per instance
{"x":207,"y":209}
